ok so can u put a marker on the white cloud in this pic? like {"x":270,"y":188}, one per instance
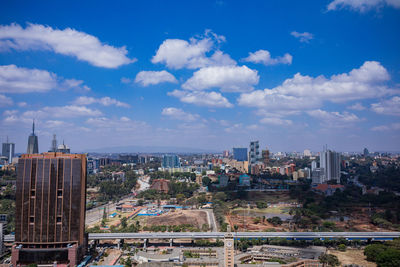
{"x":304,"y":37}
{"x":264,"y":57}
{"x":22,"y":104}
{"x":70,"y":111}
{"x":68,"y":42}
{"x":388,"y":107}
{"x":105,"y":101}
{"x":276,"y":121}
{"x":357,"y":106}
{"x":5,"y":101}
{"x":208,"y":99}
{"x":52,"y":124}
{"x":362,"y":5}
{"x":178,"y":54}
{"x":146,"y":78}
{"x":227,"y":78}
{"x":305,"y":92}
{"x":15,"y":79}
{"x":389,"y":127}
{"x":179,"y":114}
{"x":123,"y":124}
{"x":334,"y":119}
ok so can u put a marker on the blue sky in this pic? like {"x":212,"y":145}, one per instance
{"x":202,"y":74}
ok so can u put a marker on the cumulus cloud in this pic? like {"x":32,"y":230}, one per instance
{"x":264,"y":57}
{"x":305,"y":92}
{"x":362,"y":5}
{"x":357,"y":106}
{"x":388,"y":107}
{"x":122,"y":124}
{"x":5,"y":101}
{"x":389,"y":127}
{"x":105,"y":101}
{"x":146,"y":78}
{"x":276,"y":121}
{"x":68,"y":42}
{"x":179,"y":114}
{"x":304,"y":37}
{"x":15,"y":79}
{"x":208,"y":99}
{"x":70,"y":111}
{"x":178,"y":54}
{"x":334,"y":119}
{"x":227,"y":78}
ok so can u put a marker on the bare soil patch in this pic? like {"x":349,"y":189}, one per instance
{"x":194,"y":217}
{"x":352,"y":256}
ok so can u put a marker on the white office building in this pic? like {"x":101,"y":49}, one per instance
{"x":329,"y":163}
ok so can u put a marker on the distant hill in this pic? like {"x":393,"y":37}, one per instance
{"x":150,"y":149}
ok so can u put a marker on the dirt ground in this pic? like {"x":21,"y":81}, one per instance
{"x":352,"y":256}
{"x":193,"y":217}
{"x":247,"y":224}
{"x":113,"y":256}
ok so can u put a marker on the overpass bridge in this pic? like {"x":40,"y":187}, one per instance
{"x":378,"y":236}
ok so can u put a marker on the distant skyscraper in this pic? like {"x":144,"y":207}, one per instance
{"x":265,"y":156}
{"x":171,"y":161}
{"x":33,"y":144}
{"x":50,"y":209}
{"x":53,"y":144}
{"x":329,"y":163}
{"x":8,"y":150}
{"x":240,"y":153}
{"x":254,"y":154}
{"x":366,"y":152}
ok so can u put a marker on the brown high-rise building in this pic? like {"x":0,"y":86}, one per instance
{"x":265,"y":156}
{"x":50,"y":209}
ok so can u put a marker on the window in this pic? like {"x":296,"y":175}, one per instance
{"x":59,"y":192}
{"x":31,"y":219}
{"x":58,"y":219}
{"x":33,"y":192}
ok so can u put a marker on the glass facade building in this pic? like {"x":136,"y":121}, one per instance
{"x":50,"y":208}
{"x":240,"y":153}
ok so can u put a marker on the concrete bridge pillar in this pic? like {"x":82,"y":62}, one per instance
{"x":145,"y":243}
{"x":171,"y":242}
{"x":119,"y":243}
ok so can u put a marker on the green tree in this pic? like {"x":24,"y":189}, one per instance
{"x":329,"y":260}
{"x":372,"y":251}
{"x":342,"y":247}
{"x":124,"y":223}
{"x":388,"y":258}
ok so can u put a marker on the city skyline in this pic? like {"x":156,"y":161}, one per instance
{"x":194,"y":75}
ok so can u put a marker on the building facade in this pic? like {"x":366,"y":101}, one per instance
{"x":50,"y":209}
{"x":254,"y":153}
{"x":239,"y":153}
{"x":265,"y":156}
{"x":171,"y":161}
{"x":8,"y":150}
{"x":330,"y":163}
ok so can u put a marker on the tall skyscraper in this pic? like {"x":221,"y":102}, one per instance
{"x":254,"y":154}
{"x":240,"y":153}
{"x":171,"y":161}
{"x":33,"y":144}
{"x":50,"y":209}
{"x":8,"y":150}
{"x":366,"y":152}
{"x":329,"y":162}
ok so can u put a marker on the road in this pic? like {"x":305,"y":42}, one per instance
{"x":214,"y":235}
{"x":211,"y":220}
{"x":96,"y":214}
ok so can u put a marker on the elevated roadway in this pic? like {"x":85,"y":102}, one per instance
{"x":220,"y":235}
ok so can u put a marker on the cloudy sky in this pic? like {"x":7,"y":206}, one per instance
{"x":202,"y":74}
